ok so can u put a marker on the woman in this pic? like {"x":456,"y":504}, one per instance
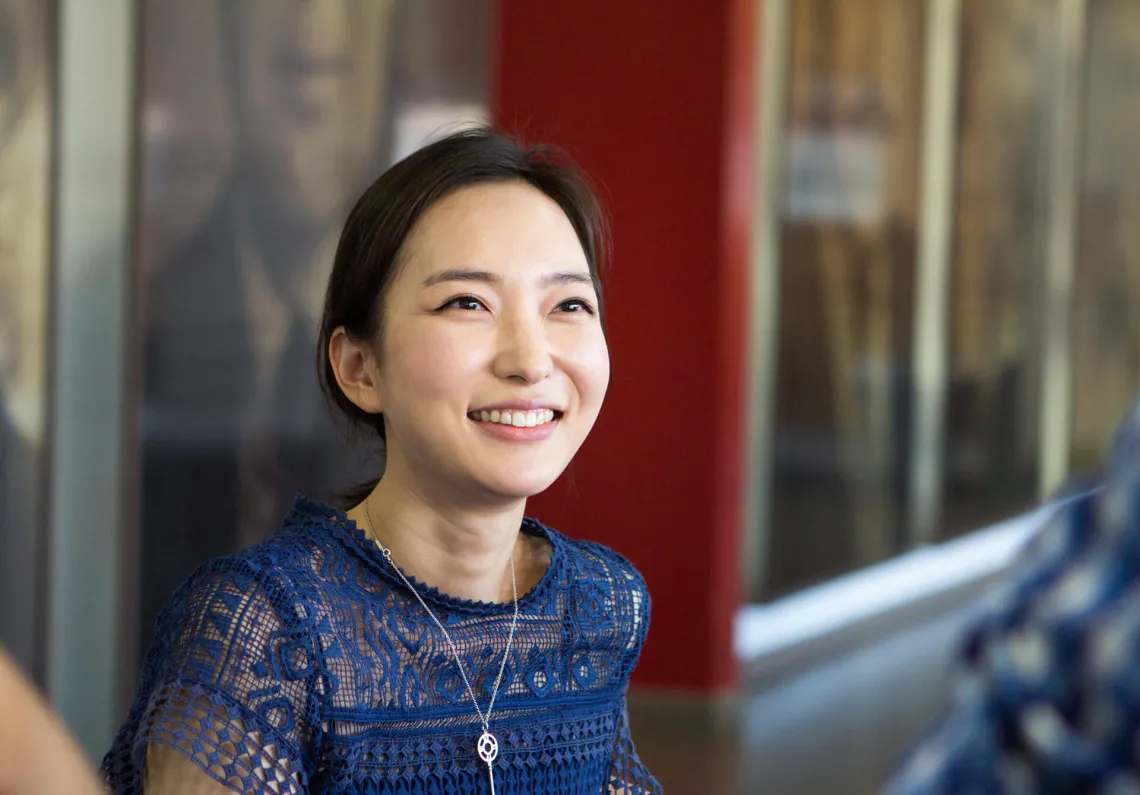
{"x":430,"y":639}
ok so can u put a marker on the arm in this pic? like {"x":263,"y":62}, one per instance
{"x":243,"y":759}
{"x":171,"y":773}
{"x":628,"y":776}
{"x":37,"y":755}
{"x":228,"y":698}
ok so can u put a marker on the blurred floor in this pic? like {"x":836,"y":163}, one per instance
{"x":836,"y":728}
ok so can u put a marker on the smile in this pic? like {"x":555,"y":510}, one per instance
{"x":517,"y":419}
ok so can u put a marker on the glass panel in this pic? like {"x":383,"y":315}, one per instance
{"x":846,"y":287}
{"x":992,"y":395}
{"x":25,"y":181}
{"x":1106,"y":323}
{"x":261,"y":122}
{"x":844,"y":388}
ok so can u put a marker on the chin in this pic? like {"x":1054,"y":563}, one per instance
{"x":520,"y":485}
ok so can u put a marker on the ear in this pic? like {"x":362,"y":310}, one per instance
{"x":357,"y":370}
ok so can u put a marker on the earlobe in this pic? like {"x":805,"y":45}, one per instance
{"x":354,"y":365}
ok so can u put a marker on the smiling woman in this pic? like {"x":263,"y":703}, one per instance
{"x":489,"y":307}
{"x":429,"y":637}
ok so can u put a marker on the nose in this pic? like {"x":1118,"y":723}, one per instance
{"x":524,"y":352}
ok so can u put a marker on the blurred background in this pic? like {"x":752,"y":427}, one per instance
{"x":874,"y":298}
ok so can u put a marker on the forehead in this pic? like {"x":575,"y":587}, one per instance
{"x":500,"y":227}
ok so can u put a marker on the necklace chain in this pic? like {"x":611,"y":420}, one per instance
{"x":485,"y":720}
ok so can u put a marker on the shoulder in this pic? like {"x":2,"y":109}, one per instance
{"x":272,"y":583}
{"x":606,"y":589}
{"x":599,"y":560}
{"x":224,"y":600}
{"x":287,"y":555}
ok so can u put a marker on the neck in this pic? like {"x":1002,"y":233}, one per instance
{"x":463,"y":552}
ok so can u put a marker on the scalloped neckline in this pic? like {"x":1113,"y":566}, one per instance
{"x":367,"y":548}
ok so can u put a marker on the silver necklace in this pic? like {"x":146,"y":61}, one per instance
{"x":488,"y":745}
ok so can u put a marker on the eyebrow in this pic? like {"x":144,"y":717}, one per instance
{"x":464,"y":275}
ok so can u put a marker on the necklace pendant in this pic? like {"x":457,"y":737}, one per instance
{"x":488,"y":752}
{"x":488,"y":747}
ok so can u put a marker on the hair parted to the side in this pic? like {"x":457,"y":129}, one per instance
{"x":368,"y":254}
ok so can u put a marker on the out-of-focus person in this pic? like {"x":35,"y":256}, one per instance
{"x":231,"y":429}
{"x":1048,"y":693}
{"x":37,"y":754}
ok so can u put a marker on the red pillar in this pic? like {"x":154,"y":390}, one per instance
{"x":654,"y":99}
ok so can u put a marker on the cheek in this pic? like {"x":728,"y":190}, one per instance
{"x":429,"y":365}
{"x":588,"y":364}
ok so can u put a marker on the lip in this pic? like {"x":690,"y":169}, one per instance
{"x":513,"y":433}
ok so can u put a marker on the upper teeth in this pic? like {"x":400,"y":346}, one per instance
{"x":519,"y":419}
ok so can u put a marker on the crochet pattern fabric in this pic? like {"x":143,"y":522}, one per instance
{"x":304,"y":665}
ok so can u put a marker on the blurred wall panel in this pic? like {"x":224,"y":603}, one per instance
{"x":262,"y":121}
{"x":848,"y":247}
{"x":1106,"y":324}
{"x":842,"y":457}
{"x":25,"y":177}
{"x":1006,"y":95}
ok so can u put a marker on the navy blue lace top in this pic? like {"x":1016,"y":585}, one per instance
{"x":304,"y":665}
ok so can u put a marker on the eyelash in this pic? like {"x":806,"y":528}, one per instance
{"x":587,"y":307}
{"x":460,"y":298}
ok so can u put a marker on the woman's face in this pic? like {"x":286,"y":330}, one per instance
{"x":493,"y":364}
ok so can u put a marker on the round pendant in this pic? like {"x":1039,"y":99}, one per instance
{"x":488,"y":747}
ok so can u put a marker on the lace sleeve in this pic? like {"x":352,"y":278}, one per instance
{"x":628,"y":776}
{"x":228,"y":686}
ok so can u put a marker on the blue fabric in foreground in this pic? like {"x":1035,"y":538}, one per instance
{"x":1048,"y":699}
{"x":304,"y":665}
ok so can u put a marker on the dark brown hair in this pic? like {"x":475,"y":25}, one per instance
{"x":368,"y":254}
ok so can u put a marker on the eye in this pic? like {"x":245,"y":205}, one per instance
{"x":466,"y":303}
{"x":575,"y":306}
